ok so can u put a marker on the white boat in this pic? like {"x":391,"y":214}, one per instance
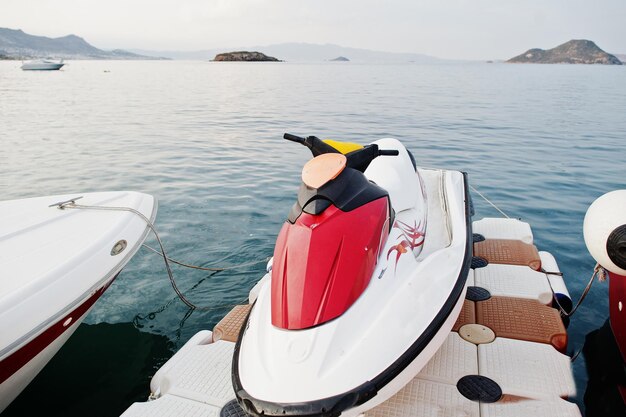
{"x":43,"y":65}
{"x":55,"y":265}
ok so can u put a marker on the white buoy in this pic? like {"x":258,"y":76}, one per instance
{"x":605,"y":231}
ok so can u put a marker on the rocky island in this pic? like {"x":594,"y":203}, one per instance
{"x":577,"y":51}
{"x":245,"y":56}
{"x":340,"y":59}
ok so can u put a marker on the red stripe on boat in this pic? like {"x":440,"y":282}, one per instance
{"x":15,"y":361}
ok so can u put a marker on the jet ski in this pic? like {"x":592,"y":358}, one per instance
{"x":367,"y":279}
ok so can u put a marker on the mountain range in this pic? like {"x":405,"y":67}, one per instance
{"x":16,"y":44}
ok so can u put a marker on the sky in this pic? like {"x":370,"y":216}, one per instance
{"x":456,"y":29}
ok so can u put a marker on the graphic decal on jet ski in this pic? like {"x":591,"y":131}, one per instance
{"x":412,"y":237}
{"x":414,"y":234}
{"x":400,"y":248}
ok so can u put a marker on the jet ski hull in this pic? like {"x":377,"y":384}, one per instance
{"x":362,"y":358}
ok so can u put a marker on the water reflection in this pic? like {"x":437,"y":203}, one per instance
{"x":606,"y":371}
{"x":99,"y":362}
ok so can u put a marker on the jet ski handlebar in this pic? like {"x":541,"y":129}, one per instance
{"x":294,"y":138}
{"x":315,"y":144}
{"x":318,"y":146}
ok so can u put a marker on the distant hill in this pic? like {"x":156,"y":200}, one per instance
{"x":577,"y":51}
{"x":340,"y":59}
{"x":16,"y":44}
{"x":304,"y":52}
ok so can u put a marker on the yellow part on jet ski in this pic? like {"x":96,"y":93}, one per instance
{"x":343,"y":147}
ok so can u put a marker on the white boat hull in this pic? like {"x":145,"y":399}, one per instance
{"x":42,"y":66}
{"x":415,"y":367}
{"x":57,"y":263}
{"x":16,"y":383}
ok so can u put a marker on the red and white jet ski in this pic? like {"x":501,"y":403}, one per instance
{"x":369,"y":276}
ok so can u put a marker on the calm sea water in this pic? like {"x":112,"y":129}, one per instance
{"x":205,"y":138}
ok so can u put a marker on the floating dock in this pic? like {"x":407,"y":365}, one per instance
{"x":504,"y":357}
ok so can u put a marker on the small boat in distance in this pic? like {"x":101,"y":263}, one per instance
{"x":42,"y":65}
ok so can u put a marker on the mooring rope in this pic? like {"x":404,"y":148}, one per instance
{"x":597,"y":271}
{"x":488,"y":201}
{"x":202,"y":268}
{"x":71,"y":204}
{"x":575,"y":355}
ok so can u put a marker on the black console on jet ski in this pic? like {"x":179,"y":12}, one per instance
{"x":349,"y":190}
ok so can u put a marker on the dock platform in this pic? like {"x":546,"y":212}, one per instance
{"x":503,"y":358}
